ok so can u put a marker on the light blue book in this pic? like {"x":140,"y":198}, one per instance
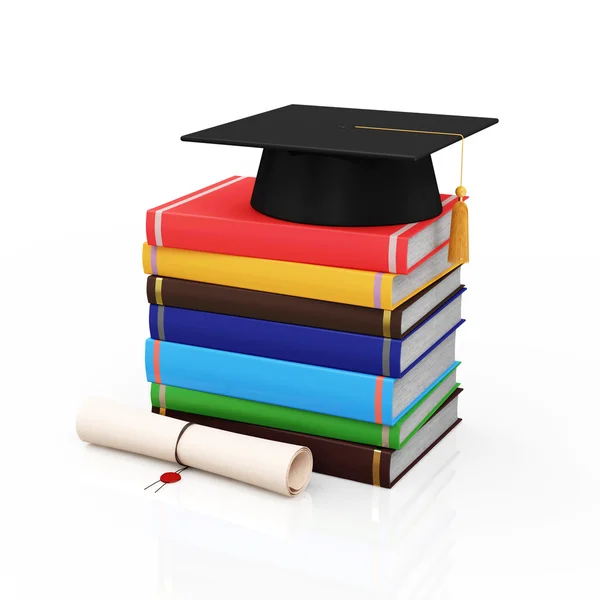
{"x":348,"y":394}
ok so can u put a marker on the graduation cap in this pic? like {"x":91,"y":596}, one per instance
{"x":347,"y":167}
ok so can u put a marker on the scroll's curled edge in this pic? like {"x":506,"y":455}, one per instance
{"x":275,"y":466}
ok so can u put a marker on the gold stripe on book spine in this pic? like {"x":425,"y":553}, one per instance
{"x":387,"y":323}
{"x":158,"y":290}
{"x":376,"y":467}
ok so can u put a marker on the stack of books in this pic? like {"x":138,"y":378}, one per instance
{"x":341,"y":339}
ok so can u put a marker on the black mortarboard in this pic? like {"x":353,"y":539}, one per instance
{"x":344,"y":166}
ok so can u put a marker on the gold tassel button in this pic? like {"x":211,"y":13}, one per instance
{"x":458,"y":249}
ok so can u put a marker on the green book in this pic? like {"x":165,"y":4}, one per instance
{"x":292,"y":419}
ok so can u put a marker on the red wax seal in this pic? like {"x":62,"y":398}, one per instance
{"x":170,"y":477}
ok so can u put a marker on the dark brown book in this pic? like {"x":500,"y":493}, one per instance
{"x":368,"y":464}
{"x":241,"y":302}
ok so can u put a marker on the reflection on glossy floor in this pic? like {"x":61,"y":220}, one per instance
{"x":340,"y":537}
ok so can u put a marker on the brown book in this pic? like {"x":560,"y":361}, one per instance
{"x":241,"y":302}
{"x":368,"y":464}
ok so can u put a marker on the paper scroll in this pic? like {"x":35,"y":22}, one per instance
{"x":282,"y":468}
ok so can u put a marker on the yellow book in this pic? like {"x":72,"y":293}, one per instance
{"x":332,"y":284}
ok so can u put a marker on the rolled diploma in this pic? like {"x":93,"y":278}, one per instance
{"x":282,"y":468}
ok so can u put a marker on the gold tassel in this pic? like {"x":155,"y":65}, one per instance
{"x":458,"y":249}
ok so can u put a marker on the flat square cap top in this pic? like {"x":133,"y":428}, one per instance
{"x":333,"y":131}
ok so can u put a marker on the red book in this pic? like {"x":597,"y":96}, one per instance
{"x":219,"y":219}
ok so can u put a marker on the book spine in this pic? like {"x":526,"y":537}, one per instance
{"x":305,"y":387}
{"x":281,"y":341}
{"x":268,"y":415}
{"x":252,"y":304}
{"x":357,"y":462}
{"x":164,"y":397}
{"x":350,"y":248}
{"x":346,"y":286}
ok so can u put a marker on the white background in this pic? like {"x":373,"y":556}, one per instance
{"x":94,"y":99}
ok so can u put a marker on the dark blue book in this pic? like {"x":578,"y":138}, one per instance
{"x":309,"y":345}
